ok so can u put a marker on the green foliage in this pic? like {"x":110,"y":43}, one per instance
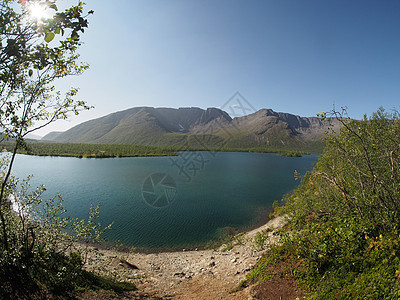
{"x":31,"y":60}
{"x":279,"y":261}
{"x":29,"y":64}
{"x":291,"y":153}
{"x":344,"y":217}
{"x":39,"y":249}
{"x":92,"y":150}
{"x":278,"y":210}
{"x":261,"y":238}
{"x":37,"y":256}
{"x":124,"y":150}
{"x":358,"y":175}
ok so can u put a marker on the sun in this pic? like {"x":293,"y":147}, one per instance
{"x":38,"y":11}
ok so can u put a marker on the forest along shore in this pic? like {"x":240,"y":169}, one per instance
{"x":201,"y":274}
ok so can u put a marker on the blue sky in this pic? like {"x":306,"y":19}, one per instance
{"x":293,"y":56}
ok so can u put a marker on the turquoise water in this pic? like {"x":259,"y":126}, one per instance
{"x":168,"y":202}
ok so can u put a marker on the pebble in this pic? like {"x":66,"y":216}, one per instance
{"x":180,"y":274}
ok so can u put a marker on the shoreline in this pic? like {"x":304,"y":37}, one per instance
{"x":173,"y":152}
{"x":198,"y":274}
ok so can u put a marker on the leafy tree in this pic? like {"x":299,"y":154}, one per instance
{"x":344,"y":226}
{"x":35,"y":52}
{"x":358,"y":174}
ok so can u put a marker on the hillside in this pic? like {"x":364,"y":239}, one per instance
{"x":33,"y":136}
{"x":197,"y":127}
{"x":51,"y":136}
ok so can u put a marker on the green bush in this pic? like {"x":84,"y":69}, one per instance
{"x":38,"y":243}
{"x":261,"y":238}
{"x":343,"y":235}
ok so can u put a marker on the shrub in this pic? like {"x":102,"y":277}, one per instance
{"x":345,"y":216}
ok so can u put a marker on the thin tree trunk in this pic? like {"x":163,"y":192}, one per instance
{"x":2,"y":195}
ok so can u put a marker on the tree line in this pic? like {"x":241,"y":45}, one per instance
{"x":81,"y":150}
{"x":91,"y":150}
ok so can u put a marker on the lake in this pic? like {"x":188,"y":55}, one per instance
{"x":169,"y":202}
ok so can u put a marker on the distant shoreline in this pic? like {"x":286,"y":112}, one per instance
{"x":280,"y":153}
{"x":117,"y":151}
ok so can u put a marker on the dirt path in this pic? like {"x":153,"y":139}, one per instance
{"x":203,"y":274}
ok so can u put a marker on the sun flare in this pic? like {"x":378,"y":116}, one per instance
{"x":38,"y":11}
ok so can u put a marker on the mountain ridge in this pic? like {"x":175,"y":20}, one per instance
{"x":196,"y":127}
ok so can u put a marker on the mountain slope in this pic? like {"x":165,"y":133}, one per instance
{"x":51,"y":136}
{"x":198,"y":128}
{"x":270,"y":128}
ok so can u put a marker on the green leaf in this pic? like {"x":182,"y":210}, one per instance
{"x":30,"y":72}
{"x":49,"y":37}
{"x":57,"y":31}
{"x":53,"y":6}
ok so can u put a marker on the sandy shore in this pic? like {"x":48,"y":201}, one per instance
{"x":201,"y":274}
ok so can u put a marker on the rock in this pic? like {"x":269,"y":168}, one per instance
{"x":180,"y":274}
{"x":127,"y":264}
{"x":212,"y":264}
{"x":234,"y":260}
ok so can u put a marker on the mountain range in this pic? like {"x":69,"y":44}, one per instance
{"x":196,"y":127}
